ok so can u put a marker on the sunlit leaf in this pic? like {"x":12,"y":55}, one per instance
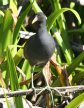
{"x":19,"y":23}
{"x":52,"y":18}
{"x":75,"y":102}
{"x":6,"y":30}
{"x":75,"y":63}
{"x":13,"y":78}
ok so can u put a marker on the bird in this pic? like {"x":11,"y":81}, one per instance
{"x":40,"y":47}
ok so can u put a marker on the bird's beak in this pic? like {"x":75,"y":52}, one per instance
{"x":35,"y":19}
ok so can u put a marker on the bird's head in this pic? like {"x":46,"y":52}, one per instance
{"x":40,"y":18}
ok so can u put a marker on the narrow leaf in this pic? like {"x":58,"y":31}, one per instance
{"x":19,"y":23}
{"x":75,"y":102}
{"x":75,"y":63}
{"x":13,"y":74}
{"x":13,"y":78}
{"x":52,"y":18}
{"x":6,"y":30}
{"x":13,"y":5}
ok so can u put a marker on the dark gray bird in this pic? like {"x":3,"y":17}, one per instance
{"x":39,"y":47}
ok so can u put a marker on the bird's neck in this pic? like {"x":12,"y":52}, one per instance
{"x":42,"y":24}
{"x":41,"y":29}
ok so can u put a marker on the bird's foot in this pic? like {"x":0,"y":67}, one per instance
{"x":49,"y":89}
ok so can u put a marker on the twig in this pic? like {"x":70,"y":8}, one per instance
{"x":21,"y":72}
{"x":71,"y":87}
{"x":62,"y":90}
{"x":68,"y":89}
{"x":29,"y":80}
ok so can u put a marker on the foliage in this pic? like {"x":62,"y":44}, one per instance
{"x":11,"y":50}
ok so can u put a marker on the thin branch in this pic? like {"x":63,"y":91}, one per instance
{"x":29,"y":80}
{"x":62,"y":90}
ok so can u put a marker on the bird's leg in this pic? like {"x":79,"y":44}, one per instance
{"x":47,"y":74}
{"x":32,"y":80}
{"x":49,"y":88}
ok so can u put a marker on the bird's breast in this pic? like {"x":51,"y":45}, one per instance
{"x":39,"y":49}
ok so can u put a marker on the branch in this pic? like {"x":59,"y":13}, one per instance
{"x":61,"y":90}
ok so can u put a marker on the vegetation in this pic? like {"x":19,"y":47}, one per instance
{"x":65,"y":21}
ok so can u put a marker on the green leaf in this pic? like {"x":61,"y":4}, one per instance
{"x":35,"y":6}
{"x":6,"y":30}
{"x":80,"y":30}
{"x":17,"y":58}
{"x":1,"y":13}
{"x":13,"y":5}
{"x":78,"y":78}
{"x":12,"y":70}
{"x":63,"y":46}
{"x":75,"y":102}
{"x":75,"y":63}
{"x":3,"y":2}
{"x":26,"y":69}
{"x":13,"y":78}
{"x":52,"y":18}
{"x":19,"y":23}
